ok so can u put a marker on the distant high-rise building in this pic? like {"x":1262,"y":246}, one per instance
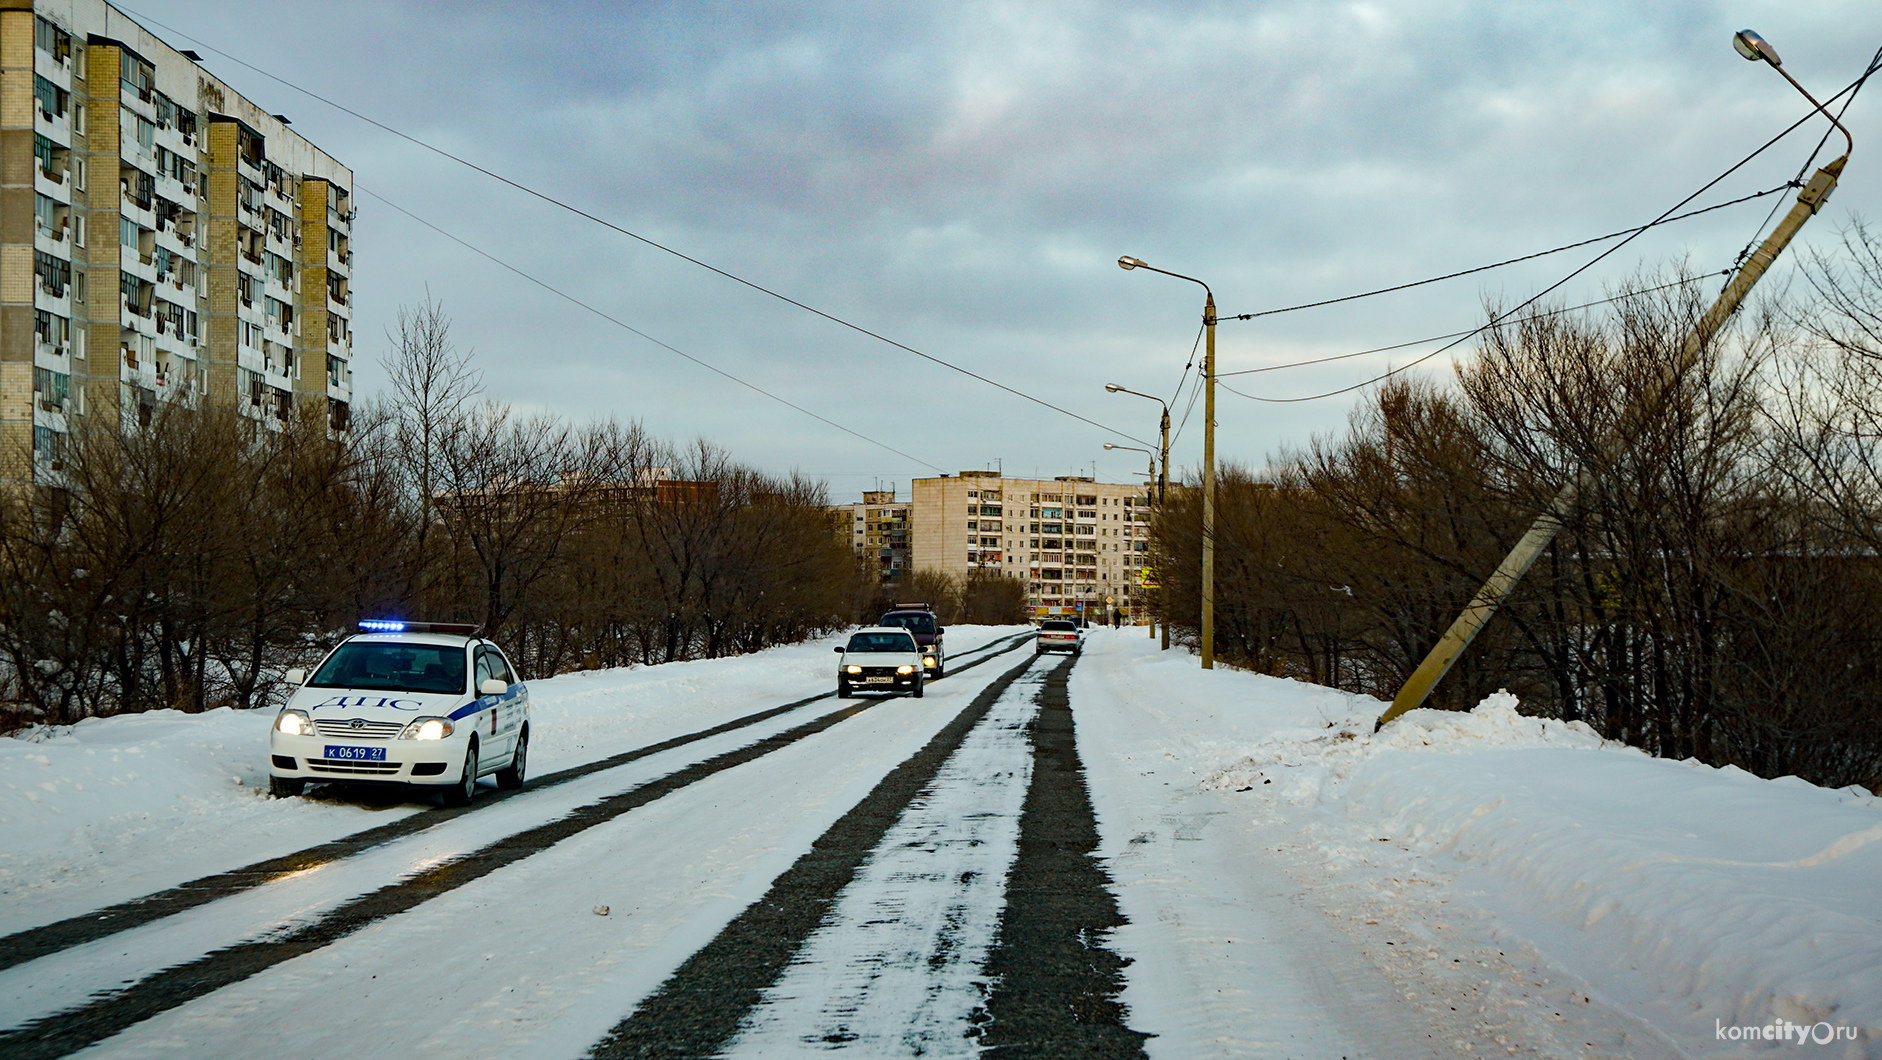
{"x":878,"y":530}
{"x":183,"y":244}
{"x":1079,"y":545}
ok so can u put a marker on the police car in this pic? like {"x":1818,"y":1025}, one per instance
{"x":425,"y":703}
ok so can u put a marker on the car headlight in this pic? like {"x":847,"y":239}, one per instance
{"x":905,"y":669}
{"x":427,"y":729}
{"x":927,"y":660}
{"x":293,"y":723}
{"x":852,"y":669}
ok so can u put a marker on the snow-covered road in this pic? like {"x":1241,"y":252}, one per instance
{"x":721,"y":844}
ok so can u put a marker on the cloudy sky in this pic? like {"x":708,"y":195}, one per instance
{"x":961,"y":178}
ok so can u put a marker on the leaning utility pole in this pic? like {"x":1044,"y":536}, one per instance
{"x":1517,"y":563}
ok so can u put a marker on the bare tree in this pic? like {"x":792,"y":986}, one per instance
{"x":433,"y":390}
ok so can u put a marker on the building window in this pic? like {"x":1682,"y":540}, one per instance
{"x":52,"y":99}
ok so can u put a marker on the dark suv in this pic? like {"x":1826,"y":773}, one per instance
{"x":919,"y":619}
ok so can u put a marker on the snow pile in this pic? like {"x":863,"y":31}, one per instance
{"x":1311,"y":765}
{"x":80,"y":800}
{"x":1698,"y":899}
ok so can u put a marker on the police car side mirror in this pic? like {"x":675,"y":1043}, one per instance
{"x":296,"y":677}
{"x":493,"y":686}
{"x":839,"y":651}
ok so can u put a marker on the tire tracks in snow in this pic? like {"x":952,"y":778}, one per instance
{"x":699,"y":1008}
{"x":1056,"y":982}
{"x":113,"y":1010}
{"x":33,"y":943}
{"x":1054,"y":986}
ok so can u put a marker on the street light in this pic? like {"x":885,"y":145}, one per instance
{"x":1754,"y":47}
{"x":1163,"y":481}
{"x":1208,"y":456}
{"x":1153,"y":478}
{"x":1153,"y":457}
{"x":1452,"y":644}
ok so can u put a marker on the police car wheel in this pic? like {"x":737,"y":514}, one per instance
{"x":918,"y":683}
{"x":285,"y":787}
{"x":461,"y":793}
{"x":842,"y":690}
{"x":510,"y":777}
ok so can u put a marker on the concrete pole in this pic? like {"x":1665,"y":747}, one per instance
{"x":1450,"y":646}
{"x":1163,"y":493}
{"x":1208,"y":486}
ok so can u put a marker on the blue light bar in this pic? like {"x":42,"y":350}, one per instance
{"x":380,"y":625}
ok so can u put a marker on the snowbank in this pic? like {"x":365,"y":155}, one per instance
{"x":1704,"y":901}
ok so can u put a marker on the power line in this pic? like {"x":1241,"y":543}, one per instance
{"x":1539,"y":295}
{"x":1875,"y":62}
{"x":585,"y":215}
{"x":1454,"y":334}
{"x":629,"y":327}
{"x":1511,"y":261}
{"x":1630,"y":235}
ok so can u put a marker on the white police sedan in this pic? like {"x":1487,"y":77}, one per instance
{"x":424,"y":703}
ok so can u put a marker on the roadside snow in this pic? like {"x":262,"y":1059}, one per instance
{"x":1698,"y":900}
{"x":1467,"y":884}
{"x":112,"y":809}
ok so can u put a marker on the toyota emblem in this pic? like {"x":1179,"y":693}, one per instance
{"x":358,"y":723}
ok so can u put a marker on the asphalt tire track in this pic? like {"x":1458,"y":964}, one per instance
{"x":699,"y":1008}
{"x":112,"y":1011}
{"x":1056,"y":984}
{"x":33,"y":943}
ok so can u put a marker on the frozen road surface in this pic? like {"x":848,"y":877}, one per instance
{"x":1113,"y":855}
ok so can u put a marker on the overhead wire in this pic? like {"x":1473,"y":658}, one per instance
{"x":1460,"y":334}
{"x":1630,"y":235}
{"x":611,"y":226}
{"x":1509,"y":261}
{"x":1875,"y":62}
{"x":564,"y":295}
{"x":1538,"y":296}
{"x":1182,"y":380}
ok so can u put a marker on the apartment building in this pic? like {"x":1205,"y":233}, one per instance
{"x":877,"y":529}
{"x":1079,"y":545}
{"x":162,"y":239}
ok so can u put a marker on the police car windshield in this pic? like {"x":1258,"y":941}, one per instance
{"x":881,"y":642}
{"x":920,"y":623}
{"x":393,"y":667}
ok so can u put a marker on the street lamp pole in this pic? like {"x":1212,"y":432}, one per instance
{"x":1208,"y":457}
{"x":1153,"y":476}
{"x":1162,"y":478}
{"x":1450,"y":646}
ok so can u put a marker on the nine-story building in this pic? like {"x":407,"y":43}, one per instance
{"x":161,"y":239}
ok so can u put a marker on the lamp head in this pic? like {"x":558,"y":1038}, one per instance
{"x":1128,"y":263}
{"x":1753,"y":47}
{"x":1112,"y":388}
{"x":1108,"y":445}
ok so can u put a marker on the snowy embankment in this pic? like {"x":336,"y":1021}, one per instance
{"x":1703,"y":901}
{"x":1460,"y":884}
{"x":112,"y":809}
